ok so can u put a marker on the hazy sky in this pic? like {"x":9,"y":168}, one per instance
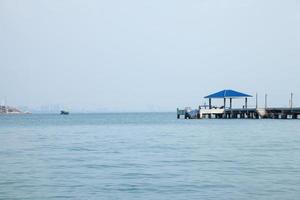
{"x":133,"y":55}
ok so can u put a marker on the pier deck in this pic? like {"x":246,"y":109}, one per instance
{"x":228,"y":112}
{"x":242,"y":113}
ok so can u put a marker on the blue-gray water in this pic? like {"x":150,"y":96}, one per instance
{"x":147,"y":156}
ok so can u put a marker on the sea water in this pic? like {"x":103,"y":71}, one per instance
{"x":147,"y":156}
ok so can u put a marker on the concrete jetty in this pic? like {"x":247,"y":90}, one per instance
{"x":228,"y":112}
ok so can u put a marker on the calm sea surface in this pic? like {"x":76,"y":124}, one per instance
{"x":147,"y":156}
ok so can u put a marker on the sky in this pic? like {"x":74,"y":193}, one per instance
{"x":135,"y":56}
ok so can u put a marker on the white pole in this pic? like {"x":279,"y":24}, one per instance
{"x":292,"y":100}
{"x":256,"y":99}
{"x":266,"y":101}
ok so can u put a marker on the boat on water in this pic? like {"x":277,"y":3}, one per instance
{"x":63,"y":112}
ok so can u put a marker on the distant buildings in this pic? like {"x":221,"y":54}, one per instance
{"x":9,"y":110}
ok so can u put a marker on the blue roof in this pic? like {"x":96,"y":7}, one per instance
{"x":227,"y":94}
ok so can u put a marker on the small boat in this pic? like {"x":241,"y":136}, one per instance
{"x":63,"y":112}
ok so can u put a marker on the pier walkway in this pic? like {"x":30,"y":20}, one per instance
{"x":249,"y":113}
{"x":228,"y":112}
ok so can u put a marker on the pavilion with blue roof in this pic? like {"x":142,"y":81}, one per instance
{"x":228,"y":94}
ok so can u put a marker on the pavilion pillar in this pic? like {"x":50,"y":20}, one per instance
{"x":246,"y":103}
{"x":230,"y":103}
{"x":209,"y":103}
{"x":224,"y":103}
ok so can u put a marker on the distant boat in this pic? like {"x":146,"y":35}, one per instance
{"x":63,"y":112}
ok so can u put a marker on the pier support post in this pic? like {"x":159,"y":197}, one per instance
{"x":272,"y":116}
{"x":251,"y":115}
{"x":284,"y":116}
